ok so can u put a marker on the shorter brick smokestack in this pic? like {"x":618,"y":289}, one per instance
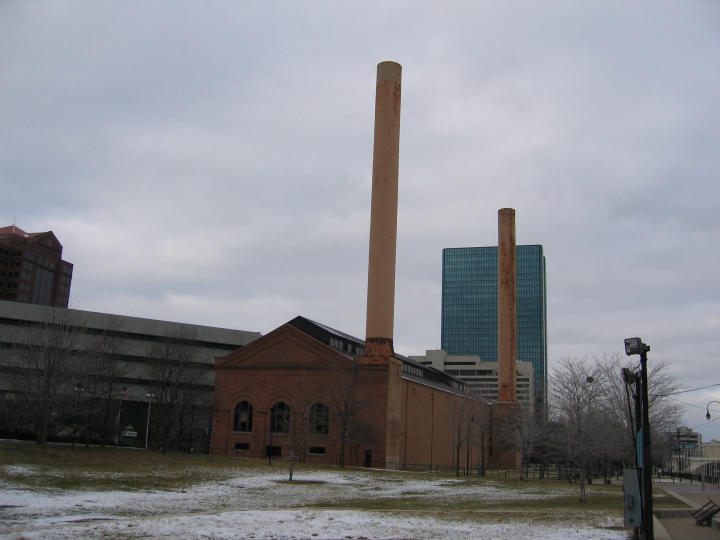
{"x":507,"y":307}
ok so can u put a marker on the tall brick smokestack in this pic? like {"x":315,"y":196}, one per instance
{"x":507,"y":307}
{"x":383,"y":212}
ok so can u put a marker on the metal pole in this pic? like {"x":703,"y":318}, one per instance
{"x":117,"y":424}
{"x":467,"y":450}
{"x":638,"y":451}
{"x":147,"y":424}
{"x":74,"y":428}
{"x":270,"y":449}
{"x":647,"y":459}
{"x":482,"y":452}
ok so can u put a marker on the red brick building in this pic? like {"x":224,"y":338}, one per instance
{"x":32,"y":269}
{"x":307,"y":389}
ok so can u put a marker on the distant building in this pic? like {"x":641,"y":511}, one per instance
{"x":685,"y":447}
{"x":685,"y":438}
{"x":469,"y":307}
{"x":117,"y":367}
{"x":32,"y":269}
{"x":711,"y":450}
{"x":481,"y":377}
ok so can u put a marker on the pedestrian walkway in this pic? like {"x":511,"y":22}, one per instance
{"x":678,"y":526}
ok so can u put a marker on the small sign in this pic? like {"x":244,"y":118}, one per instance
{"x":129,"y":433}
{"x":633,"y":498}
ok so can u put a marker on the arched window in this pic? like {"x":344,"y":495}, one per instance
{"x":280,"y":418}
{"x":319,"y":419}
{"x":243,"y":417}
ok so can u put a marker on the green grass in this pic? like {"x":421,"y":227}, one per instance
{"x":60,"y":467}
{"x":544,"y":497}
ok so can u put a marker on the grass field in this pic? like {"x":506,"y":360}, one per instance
{"x":42,"y":488}
{"x":110,"y":468}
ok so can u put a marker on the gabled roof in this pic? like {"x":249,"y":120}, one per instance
{"x":307,"y":326}
{"x":312,"y":341}
{"x":411,"y":369}
{"x":304,"y":348}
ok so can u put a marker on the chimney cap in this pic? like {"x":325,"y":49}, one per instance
{"x":389,"y":71}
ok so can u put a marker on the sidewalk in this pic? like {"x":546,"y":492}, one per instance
{"x":676,"y":526}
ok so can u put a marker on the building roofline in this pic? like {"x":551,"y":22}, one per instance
{"x":491,"y":247}
{"x":33,"y":313}
{"x":326,"y":328}
{"x":12,"y":230}
{"x":437,"y":378}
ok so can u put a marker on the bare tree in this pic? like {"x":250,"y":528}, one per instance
{"x":97,"y":390}
{"x":47,"y":369}
{"x":362,"y":434}
{"x":576,"y":396}
{"x":173,"y":389}
{"x":664,"y":413}
{"x":481,"y":435}
{"x":460,"y":417}
{"x":299,"y":431}
{"x":524,"y":432}
{"x":106,"y":387}
{"x":352,"y":429}
{"x":593,"y":408}
{"x":345,"y":403}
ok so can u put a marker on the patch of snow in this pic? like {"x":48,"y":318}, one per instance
{"x":295,"y":524}
{"x":261,"y":504}
{"x":19,"y":470}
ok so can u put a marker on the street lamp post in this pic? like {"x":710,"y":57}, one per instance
{"x":636,"y":346}
{"x":583,"y":411}
{"x":707,"y":409}
{"x":270,"y":450}
{"x":707,"y":417}
{"x":124,"y":393}
{"x":78,"y":389}
{"x":149,"y":397}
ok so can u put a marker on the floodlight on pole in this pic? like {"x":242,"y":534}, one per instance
{"x":634,"y":345}
{"x":629,"y":376}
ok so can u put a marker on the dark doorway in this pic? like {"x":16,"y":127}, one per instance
{"x":368,"y":458}
{"x":274,"y":451}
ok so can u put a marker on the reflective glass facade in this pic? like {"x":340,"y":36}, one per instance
{"x":469,"y":306}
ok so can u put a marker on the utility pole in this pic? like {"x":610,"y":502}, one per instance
{"x":647,"y":460}
{"x":636,"y":346}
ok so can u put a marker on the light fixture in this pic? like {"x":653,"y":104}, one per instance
{"x":629,"y":376}
{"x":707,"y":409}
{"x":634,"y":345}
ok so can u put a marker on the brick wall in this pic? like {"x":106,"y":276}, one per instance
{"x":393,"y":422}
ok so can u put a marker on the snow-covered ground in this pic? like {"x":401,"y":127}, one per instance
{"x":260,"y":503}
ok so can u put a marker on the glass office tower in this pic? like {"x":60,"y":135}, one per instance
{"x":469,"y":307}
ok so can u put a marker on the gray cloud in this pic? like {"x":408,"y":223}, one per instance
{"x":211,"y":162}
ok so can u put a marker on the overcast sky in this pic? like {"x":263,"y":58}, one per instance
{"x":210,"y":162}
